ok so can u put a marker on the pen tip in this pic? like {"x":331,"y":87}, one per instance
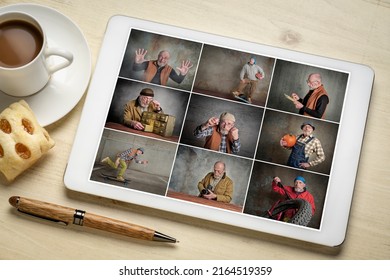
{"x":13,"y":200}
{"x":161,"y":237}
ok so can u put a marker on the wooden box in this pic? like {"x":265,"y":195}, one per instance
{"x":161,"y":124}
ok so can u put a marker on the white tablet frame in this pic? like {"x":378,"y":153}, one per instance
{"x":344,"y":167}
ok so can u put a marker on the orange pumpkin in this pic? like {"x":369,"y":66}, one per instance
{"x":290,"y":140}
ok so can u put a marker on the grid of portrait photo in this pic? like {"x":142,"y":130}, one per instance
{"x":223,"y":128}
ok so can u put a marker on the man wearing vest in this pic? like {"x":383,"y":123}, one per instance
{"x":216,"y":185}
{"x":305,"y":146}
{"x":158,"y":71}
{"x":144,"y":103}
{"x":220,"y":133}
{"x":123,"y":159}
{"x":316,"y":100}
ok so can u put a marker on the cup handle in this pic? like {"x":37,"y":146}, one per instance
{"x":68,"y":56}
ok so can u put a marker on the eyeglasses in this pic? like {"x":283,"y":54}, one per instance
{"x":312,"y":82}
{"x":147,"y":98}
{"x":227,"y":123}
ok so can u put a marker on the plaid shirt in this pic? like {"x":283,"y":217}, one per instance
{"x":313,"y":147}
{"x":129,"y":155}
{"x":199,"y":133}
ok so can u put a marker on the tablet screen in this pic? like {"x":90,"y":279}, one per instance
{"x":222,"y":128}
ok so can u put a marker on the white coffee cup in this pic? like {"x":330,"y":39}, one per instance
{"x":24,"y":65}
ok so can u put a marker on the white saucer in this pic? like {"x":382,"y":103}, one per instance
{"x":67,"y":86}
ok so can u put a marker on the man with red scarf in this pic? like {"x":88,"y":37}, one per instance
{"x":316,"y":100}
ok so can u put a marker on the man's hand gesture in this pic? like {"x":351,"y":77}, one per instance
{"x":140,"y":55}
{"x":185,"y":67}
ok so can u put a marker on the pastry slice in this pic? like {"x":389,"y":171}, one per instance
{"x":22,"y":140}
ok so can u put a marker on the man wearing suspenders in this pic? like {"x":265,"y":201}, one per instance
{"x":305,"y":147}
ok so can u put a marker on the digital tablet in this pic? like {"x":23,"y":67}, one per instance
{"x":221,"y":129}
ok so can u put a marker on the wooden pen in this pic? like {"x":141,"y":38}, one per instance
{"x":67,"y":215}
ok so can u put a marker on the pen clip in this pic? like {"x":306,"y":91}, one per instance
{"x":45,"y":218}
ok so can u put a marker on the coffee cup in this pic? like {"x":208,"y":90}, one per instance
{"x":25,"y":64}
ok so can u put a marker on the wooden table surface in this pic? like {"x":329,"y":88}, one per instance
{"x":202,"y":201}
{"x":353,"y":30}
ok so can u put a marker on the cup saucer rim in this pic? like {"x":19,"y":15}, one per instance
{"x":67,"y":86}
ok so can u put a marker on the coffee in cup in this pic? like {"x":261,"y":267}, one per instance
{"x":20,"y":43}
{"x":24,"y":65}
